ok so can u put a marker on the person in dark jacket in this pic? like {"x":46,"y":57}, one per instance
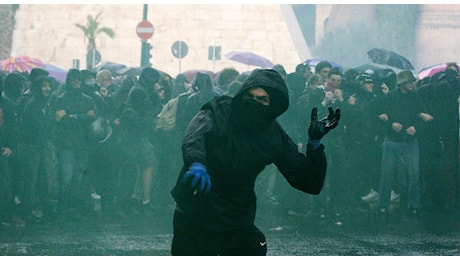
{"x":138,"y":154}
{"x":149,"y":80}
{"x":403,"y":115}
{"x":202,"y":93}
{"x":8,"y":210}
{"x":363,"y":142}
{"x":13,"y":102}
{"x":34,"y":136}
{"x":226,"y":145}
{"x":438,"y":142}
{"x":74,"y":113}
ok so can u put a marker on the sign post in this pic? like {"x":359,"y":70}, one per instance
{"x":179,"y":49}
{"x":93,"y":57}
{"x":214,"y":54}
{"x":144,"y":31}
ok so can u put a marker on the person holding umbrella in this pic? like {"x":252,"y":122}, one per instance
{"x":227,"y":144}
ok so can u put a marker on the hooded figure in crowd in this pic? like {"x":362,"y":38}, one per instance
{"x":35,"y":133}
{"x":137,"y":151}
{"x":149,"y":80}
{"x":74,"y":113}
{"x":226,"y":145}
{"x":11,"y":106}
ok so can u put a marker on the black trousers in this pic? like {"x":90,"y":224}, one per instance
{"x":190,"y":241}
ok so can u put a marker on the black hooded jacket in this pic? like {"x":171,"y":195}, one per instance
{"x":234,"y":158}
{"x":136,"y":127}
{"x":13,"y":102}
{"x":72,"y":129}
{"x":37,"y":119}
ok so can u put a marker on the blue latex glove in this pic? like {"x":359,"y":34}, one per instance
{"x":201,"y":180}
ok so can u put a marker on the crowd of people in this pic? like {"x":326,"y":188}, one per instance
{"x":117,"y":139}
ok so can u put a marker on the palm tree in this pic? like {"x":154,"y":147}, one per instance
{"x":92,"y":29}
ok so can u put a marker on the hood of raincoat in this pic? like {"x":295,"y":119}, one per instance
{"x":149,"y":76}
{"x":273,"y":83}
{"x":37,"y":72}
{"x":14,"y":85}
{"x":72,"y":74}
{"x":249,"y":116}
{"x":137,"y":98}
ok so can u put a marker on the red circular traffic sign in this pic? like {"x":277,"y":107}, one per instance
{"x":144,"y":30}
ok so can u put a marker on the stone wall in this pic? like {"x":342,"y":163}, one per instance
{"x":6,"y":30}
{"x":49,"y":32}
{"x":438,"y":35}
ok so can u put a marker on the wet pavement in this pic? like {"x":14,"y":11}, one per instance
{"x":360,"y":233}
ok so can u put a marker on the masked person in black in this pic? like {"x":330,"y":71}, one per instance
{"x":74,"y":113}
{"x":226,"y":145}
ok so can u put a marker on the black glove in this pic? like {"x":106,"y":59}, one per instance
{"x":318,"y":129}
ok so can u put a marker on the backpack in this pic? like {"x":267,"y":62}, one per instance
{"x":171,"y":112}
{"x":166,"y":119}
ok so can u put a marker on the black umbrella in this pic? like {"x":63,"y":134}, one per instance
{"x":113,"y":67}
{"x":190,"y":74}
{"x":365,"y":67}
{"x":390,"y":58}
{"x":129,"y":71}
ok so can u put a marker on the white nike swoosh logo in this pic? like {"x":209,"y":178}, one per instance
{"x":263,"y":243}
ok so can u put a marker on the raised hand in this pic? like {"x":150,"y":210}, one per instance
{"x":318,"y":129}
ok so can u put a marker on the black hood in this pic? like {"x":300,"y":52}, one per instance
{"x":203,"y":82}
{"x":273,"y":83}
{"x":149,"y":76}
{"x":137,"y":98}
{"x":36,"y":86}
{"x":14,"y":84}
{"x":72,"y":74}
{"x":37,"y":72}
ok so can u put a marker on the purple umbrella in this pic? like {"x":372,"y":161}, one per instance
{"x":430,"y":71}
{"x":21,"y":64}
{"x":249,"y":58}
{"x":314,"y":62}
{"x":56,"y":72}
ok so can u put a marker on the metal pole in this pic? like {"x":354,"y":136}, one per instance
{"x":93,"y":62}
{"x":180,"y":55}
{"x":214,"y":57}
{"x":146,"y":7}
{"x":143,"y":47}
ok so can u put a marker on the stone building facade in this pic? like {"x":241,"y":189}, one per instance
{"x":6,"y":29}
{"x":48,"y":32}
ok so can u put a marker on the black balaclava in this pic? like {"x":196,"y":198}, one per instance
{"x":202,"y":85}
{"x":88,"y":81}
{"x":14,"y":85}
{"x":452,"y":77}
{"x":37,"y":72}
{"x":149,"y":76}
{"x":252,"y":117}
{"x":72,"y":74}
{"x":137,"y":99}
